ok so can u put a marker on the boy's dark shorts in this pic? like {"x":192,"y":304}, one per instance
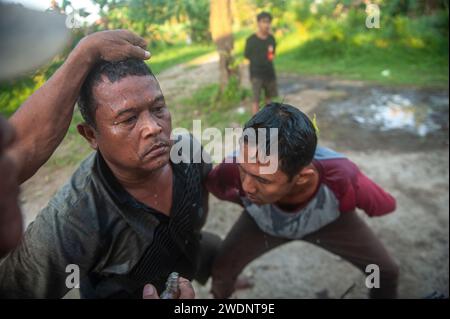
{"x":270,"y":88}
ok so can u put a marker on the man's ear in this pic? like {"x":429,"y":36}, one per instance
{"x":304,"y":176}
{"x":89,"y":134}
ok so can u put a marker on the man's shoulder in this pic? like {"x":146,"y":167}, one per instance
{"x":77,"y":193}
{"x":252,"y":37}
{"x":334,"y":167}
{"x":230,"y":166}
{"x":224,"y":181}
{"x":227,"y":173}
{"x":77,"y":204}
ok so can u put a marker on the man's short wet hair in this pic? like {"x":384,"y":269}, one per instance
{"x":264,"y":15}
{"x":297,"y":138}
{"x":113,"y":71}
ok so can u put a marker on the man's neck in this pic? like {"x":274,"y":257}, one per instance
{"x":301,"y":194}
{"x":155,"y":189}
{"x":138,"y":179}
{"x":262,"y":35}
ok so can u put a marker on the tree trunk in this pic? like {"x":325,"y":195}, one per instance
{"x":221,"y":22}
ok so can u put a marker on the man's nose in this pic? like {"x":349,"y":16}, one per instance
{"x":150,"y":127}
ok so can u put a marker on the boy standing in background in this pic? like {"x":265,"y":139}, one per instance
{"x":260,"y":50}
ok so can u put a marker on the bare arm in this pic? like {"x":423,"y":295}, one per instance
{"x":43,"y":119}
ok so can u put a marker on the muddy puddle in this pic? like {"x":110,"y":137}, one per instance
{"x":365,"y":118}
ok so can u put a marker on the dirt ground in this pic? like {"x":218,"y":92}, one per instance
{"x":415,"y":169}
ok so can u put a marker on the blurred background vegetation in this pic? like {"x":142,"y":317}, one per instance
{"x":324,"y":37}
{"x":315,"y":37}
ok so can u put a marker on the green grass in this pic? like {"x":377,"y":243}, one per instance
{"x":412,"y":50}
{"x":406,"y":66}
{"x":165,"y":57}
{"x":212,"y":108}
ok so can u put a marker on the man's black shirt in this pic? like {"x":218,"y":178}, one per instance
{"x":164,"y":254}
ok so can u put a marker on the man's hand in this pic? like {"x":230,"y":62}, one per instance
{"x":186,"y":290}
{"x":114,"y":45}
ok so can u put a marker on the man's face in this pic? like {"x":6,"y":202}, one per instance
{"x":133,"y":123}
{"x":265,"y":25}
{"x":10,"y":217}
{"x":262,"y":188}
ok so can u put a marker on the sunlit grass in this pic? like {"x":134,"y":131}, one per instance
{"x":166,"y":57}
{"x":392,"y":65}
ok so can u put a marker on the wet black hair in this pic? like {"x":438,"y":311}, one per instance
{"x":297,"y":138}
{"x":113,"y":71}
{"x":264,"y":15}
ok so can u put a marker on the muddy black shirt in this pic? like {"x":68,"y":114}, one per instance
{"x":174,"y":238}
{"x":261,"y":54}
{"x":117,"y":243}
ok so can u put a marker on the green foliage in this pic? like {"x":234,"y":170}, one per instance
{"x":327,"y":37}
{"x":211,"y":98}
{"x":413,"y":7}
{"x":197,"y":12}
{"x":212,"y":108}
{"x":150,"y":17}
{"x":275,"y":7}
{"x":205,"y":97}
{"x":13,"y":94}
{"x":232,"y":94}
{"x":335,"y":41}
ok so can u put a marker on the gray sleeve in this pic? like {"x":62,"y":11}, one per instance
{"x":37,"y":268}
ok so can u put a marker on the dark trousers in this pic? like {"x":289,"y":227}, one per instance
{"x":209,"y":247}
{"x":348,"y":237}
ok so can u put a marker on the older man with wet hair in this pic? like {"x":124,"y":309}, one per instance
{"x":129,"y":214}
{"x":36,"y":129}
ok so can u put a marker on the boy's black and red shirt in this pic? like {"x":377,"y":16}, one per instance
{"x":261,"y":53}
